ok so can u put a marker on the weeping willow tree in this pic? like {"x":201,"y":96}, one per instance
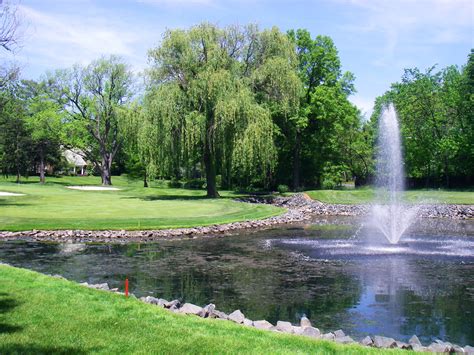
{"x":211,"y":99}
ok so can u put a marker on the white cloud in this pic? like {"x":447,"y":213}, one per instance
{"x":413,"y":21}
{"x":62,"y":40}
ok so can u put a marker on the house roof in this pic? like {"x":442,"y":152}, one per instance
{"x":73,"y":157}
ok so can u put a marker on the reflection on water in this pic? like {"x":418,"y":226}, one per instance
{"x":424,"y":286}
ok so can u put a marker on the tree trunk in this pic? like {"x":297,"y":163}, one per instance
{"x":145,"y":182}
{"x":106,"y":178}
{"x":41,"y":167}
{"x":210,"y":166}
{"x":297,"y":161}
{"x":17,"y":177}
{"x":105,"y":170}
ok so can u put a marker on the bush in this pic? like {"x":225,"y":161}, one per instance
{"x":283,"y":188}
{"x":333,"y":176}
{"x":174,"y":183}
{"x":194,"y":184}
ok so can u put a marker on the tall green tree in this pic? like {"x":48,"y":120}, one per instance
{"x":435,"y":108}
{"x":324,"y":116}
{"x":212,"y":98}
{"x":44,"y":122}
{"x":15,"y":140}
{"x":93,"y":98}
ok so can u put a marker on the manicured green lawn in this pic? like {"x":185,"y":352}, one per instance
{"x":40,"y":314}
{"x":53,"y":206}
{"x":367,"y":195}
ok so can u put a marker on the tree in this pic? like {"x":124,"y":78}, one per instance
{"x":135,"y":144}
{"x":436,"y":113}
{"x":15,"y":142}
{"x":93,"y":99}
{"x":9,"y":23}
{"x":212,"y":97}
{"x":314,"y":133}
{"x":44,"y":123}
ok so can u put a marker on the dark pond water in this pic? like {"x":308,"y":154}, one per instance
{"x":423,"y":286}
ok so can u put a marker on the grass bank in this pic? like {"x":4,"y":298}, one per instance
{"x":41,"y":314}
{"x":367,"y":195}
{"x":54,"y":206}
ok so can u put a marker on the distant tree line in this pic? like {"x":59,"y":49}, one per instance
{"x":233,"y":107}
{"x":436,"y":110}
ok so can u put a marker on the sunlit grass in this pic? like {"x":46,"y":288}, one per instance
{"x":54,"y":206}
{"x":41,"y":314}
{"x":367,"y":195}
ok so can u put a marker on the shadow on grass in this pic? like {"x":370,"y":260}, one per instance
{"x":7,"y":304}
{"x":176,"y":198}
{"x":38,"y":349}
{"x":6,"y":202}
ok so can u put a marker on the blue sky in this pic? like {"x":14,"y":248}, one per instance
{"x":376,"y":39}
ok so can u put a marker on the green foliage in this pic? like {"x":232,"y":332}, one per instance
{"x":93,"y":98}
{"x":15,"y":138}
{"x":283,"y":188}
{"x":326,"y":128}
{"x":437,"y":122}
{"x":215,"y":90}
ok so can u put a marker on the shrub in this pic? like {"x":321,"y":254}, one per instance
{"x":283,"y":188}
{"x":194,"y":184}
{"x":174,"y":183}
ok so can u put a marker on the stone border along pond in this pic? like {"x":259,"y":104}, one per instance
{"x":305,"y":328}
{"x":300,"y":207}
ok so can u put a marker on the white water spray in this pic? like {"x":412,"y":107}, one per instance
{"x":390,"y":215}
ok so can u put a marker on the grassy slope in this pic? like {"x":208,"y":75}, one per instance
{"x":367,"y":195}
{"x":40,"y":314}
{"x":53,"y":206}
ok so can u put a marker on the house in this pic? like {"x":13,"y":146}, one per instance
{"x":75,"y":161}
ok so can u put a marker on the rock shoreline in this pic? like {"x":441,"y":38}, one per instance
{"x":299,"y":208}
{"x":305,"y":328}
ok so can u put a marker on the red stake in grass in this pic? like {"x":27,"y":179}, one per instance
{"x":126,"y":287}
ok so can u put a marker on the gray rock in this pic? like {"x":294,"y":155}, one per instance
{"x":469,"y":349}
{"x":153,"y":300}
{"x":305,"y":322}
{"x":237,"y":316}
{"x":328,"y":336}
{"x":311,"y":332}
{"x":172,"y":304}
{"x":384,"y":342}
{"x":285,"y":327}
{"x":439,"y":348}
{"x":404,"y":346}
{"x":218,"y":314}
{"x":248,"y":322}
{"x":339,"y":333}
{"x":262,"y":324}
{"x":458,"y":350}
{"x":414,"y":340}
{"x":344,"y":340}
{"x":297,"y":330}
{"x":419,"y":348}
{"x":367,"y":341}
{"x":189,"y":308}
{"x":207,"y":310}
{"x":103,"y":286}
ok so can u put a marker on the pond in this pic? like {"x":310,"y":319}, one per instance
{"x":324,"y":269}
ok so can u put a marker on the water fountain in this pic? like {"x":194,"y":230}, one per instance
{"x":390,"y":215}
